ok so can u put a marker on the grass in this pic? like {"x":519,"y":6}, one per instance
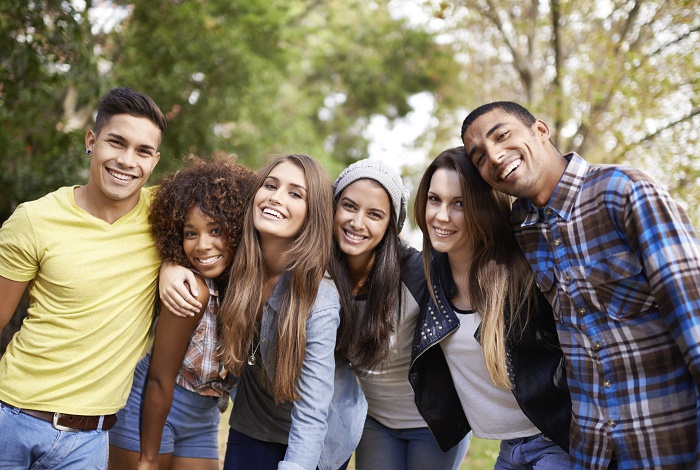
{"x":482,"y":453}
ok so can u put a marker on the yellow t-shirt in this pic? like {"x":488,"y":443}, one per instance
{"x":92,"y":300}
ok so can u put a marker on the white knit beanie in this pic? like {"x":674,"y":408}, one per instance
{"x":383,"y":174}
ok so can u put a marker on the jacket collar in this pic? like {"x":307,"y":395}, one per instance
{"x":278,"y":293}
{"x":441,"y":268}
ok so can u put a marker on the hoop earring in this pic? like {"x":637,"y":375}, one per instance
{"x":88,"y":151}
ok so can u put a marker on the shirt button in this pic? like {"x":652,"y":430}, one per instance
{"x":597,"y":346}
{"x":548,"y":212}
{"x":582,"y":311}
{"x":567,"y":277}
{"x":557,"y":241}
{"x":611,"y":423}
{"x":607,"y":384}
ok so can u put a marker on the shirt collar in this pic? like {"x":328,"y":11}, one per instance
{"x":278,"y":293}
{"x":564,"y":196}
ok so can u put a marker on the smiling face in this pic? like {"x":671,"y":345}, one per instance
{"x":204,"y":244}
{"x":280,"y":203}
{"x":123,"y":155}
{"x":361,"y":218}
{"x":444,"y":213}
{"x":514,"y":158}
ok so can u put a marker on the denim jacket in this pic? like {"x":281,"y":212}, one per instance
{"x":535,"y":365}
{"x":328,"y":416}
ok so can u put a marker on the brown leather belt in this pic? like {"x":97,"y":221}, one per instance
{"x":71,"y":423}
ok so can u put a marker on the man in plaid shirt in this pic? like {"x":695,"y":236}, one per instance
{"x":620,"y":263}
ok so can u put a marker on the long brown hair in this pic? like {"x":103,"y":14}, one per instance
{"x":500,"y":281}
{"x":364,"y":335}
{"x":308,"y":257}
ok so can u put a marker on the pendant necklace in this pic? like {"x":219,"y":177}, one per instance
{"x":251,"y":358}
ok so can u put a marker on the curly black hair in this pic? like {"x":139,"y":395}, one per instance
{"x":221,"y":188}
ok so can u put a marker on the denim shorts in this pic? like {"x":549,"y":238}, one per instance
{"x":191,"y":429}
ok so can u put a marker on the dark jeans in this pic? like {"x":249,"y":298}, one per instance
{"x":245,"y":453}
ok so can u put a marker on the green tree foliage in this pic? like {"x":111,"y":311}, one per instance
{"x":258,"y":77}
{"x":617,"y":80}
{"x":48,"y":85}
{"x":202,"y":62}
{"x":252,"y":77}
{"x":361,"y":61}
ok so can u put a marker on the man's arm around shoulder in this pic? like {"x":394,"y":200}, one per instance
{"x":10,"y":295}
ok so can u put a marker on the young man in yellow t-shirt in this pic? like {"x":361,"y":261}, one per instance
{"x":87,"y":256}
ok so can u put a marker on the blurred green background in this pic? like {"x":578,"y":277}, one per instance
{"x":342,"y":80}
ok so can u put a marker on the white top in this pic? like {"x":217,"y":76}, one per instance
{"x":492,"y":411}
{"x":390,"y":398}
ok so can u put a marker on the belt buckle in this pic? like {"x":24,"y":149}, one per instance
{"x":59,"y":427}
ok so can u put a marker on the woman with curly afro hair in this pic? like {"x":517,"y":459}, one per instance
{"x":196,"y":219}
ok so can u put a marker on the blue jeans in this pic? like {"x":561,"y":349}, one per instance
{"x":532,"y":453}
{"x":31,"y":443}
{"x":246,"y":453}
{"x":405,"y":449}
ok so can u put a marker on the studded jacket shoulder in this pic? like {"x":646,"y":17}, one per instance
{"x":535,"y":364}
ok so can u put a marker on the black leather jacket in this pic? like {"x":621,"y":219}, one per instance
{"x":534,"y":359}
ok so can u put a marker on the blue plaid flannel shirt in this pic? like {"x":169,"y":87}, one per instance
{"x":620,"y":263}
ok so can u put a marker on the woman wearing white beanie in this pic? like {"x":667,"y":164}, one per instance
{"x":382,"y":288}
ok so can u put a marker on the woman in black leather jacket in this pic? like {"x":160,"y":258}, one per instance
{"x":485,"y":354}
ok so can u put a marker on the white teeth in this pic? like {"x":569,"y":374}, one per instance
{"x":509,"y":169}
{"x":121,"y":176}
{"x":352,"y":236}
{"x":273,"y":213}
{"x":211,"y":260}
{"x":444,"y":232}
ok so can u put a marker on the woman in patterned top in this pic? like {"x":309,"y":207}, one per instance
{"x":196,"y":219}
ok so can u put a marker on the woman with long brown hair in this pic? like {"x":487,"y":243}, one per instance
{"x":295,"y":406}
{"x":486,"y":356}
{"x":382,"y":289}
{"x":280,"y":320}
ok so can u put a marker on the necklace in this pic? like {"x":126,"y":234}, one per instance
{"x":251,"y":358}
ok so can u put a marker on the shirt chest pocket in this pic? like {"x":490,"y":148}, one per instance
{"x":545,"y":282}
{"x":619,"y":285}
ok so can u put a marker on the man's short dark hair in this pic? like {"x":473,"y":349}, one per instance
{"x":514,"y":109}
{"x":125,"y":100}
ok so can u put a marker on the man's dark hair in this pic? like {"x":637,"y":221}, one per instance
{"x":509,"y":107}
{"x":125,"y":100}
